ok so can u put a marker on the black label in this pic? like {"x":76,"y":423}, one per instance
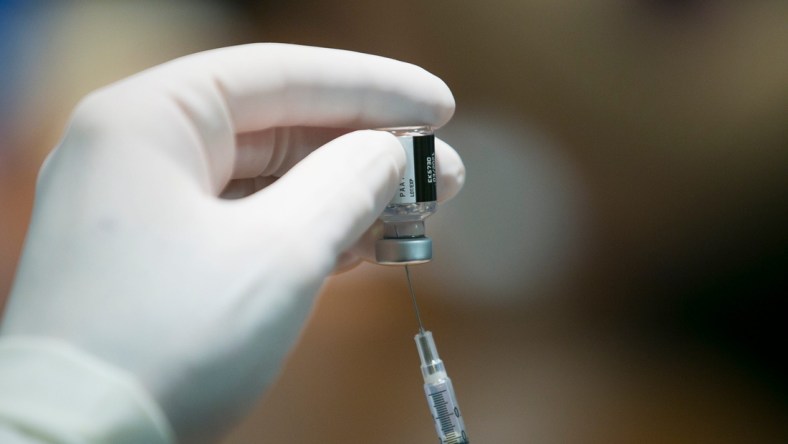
{"x":425,"y":168}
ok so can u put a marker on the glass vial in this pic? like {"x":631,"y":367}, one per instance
{"x":404,"y":241}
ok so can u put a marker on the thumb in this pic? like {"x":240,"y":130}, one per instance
{"x":324,"y":204}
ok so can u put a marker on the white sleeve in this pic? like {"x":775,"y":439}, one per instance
{"x":52,"y":392}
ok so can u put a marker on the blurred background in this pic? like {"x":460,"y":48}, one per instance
{"x":613,"y":271}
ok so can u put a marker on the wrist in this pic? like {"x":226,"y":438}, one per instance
{"x":58,"y":392}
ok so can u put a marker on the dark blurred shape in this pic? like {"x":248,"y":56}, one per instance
{"x":741,"y":312}
{"x":677,"y":8}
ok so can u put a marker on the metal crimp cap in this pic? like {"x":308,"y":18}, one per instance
{"x":403,"y":251}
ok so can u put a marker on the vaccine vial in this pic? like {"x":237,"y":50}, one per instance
{"x":404,"y":239}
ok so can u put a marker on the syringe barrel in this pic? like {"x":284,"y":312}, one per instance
{"x":440,"y":393}
{"x":445,"y":412}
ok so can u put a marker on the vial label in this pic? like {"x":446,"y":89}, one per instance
{"x":419,"y":182}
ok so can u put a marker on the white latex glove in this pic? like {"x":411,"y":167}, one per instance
{"x":132,"y":257}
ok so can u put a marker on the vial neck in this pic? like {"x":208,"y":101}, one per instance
{"x":403,"y":229}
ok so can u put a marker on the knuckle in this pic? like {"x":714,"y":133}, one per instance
{"x":91,"y":110}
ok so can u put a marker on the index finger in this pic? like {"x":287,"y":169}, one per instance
{"x":217,"y":95}
{"x":270,"y":85}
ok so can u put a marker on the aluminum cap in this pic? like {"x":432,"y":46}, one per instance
{"x":403,"y":251}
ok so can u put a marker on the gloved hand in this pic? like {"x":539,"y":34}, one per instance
{"x":132,"y":256}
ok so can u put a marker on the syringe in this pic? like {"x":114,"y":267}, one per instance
{"x":437,"y":385}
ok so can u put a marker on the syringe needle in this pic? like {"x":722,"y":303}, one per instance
{"x":437,"y":385}
{"x":413,"y":297}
